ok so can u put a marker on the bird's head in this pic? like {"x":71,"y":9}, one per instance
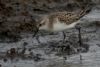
{"x":41,"y":25}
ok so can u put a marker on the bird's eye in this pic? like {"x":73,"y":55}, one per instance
{"x":40,"y":24}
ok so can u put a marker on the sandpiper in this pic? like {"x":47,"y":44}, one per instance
{"x":60,"y":21}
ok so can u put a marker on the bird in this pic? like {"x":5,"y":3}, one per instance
{"x":60,"y":21}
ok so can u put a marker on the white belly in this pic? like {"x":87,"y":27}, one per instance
{"x":62,"y":26}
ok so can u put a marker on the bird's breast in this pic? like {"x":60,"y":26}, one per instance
{"x":62,"y":26}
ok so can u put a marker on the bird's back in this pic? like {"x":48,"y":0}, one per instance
{"x":69,"y":17}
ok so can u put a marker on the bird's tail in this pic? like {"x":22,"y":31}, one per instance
{"x":84,"y":11}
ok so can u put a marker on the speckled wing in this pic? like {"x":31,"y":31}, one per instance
{"x":68,"y":18}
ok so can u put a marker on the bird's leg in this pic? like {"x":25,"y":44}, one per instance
{"x":80,"y":40}
{"x":35,"y":33}
{"x":64,"y":36}
{"x":79,"y":35}
{"x":37,"y":38}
